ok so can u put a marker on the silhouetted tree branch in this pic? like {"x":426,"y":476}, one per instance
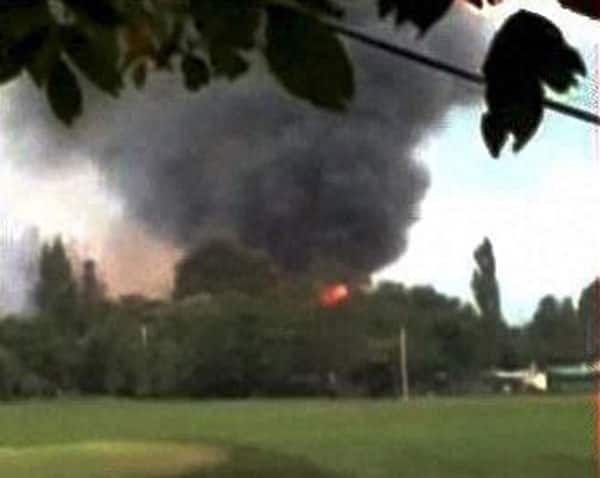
{"x":115,"y":42}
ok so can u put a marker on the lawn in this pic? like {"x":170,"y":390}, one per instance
{"x":429,"y":438}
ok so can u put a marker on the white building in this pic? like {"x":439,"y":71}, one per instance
{"x":525,"y":379}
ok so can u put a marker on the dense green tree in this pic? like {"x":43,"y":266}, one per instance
{"x":588,"y":311}
{"x":219,"y":266}
{"x":126,"y":361}
{"x":555,"y":335}
{"x":48,"y":354}
{"x":444,"y":349}
{"x":10,"y":372}
{"x":165,"y":367}
{"x":237,"y":344}
{"x":94,"y":361}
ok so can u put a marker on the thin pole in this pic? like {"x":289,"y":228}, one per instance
{"x":403,"y":364}
{"x":144,"y":335}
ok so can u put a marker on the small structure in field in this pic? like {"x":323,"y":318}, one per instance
{"x":525,"y":380}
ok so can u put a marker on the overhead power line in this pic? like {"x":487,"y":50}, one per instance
{"x":448,"y":68}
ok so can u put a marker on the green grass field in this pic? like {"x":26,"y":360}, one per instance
{"x":500,"y":437}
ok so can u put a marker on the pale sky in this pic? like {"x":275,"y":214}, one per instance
{"x":538,"y":208}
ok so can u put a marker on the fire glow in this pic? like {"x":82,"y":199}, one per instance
{"x":334,"y":294}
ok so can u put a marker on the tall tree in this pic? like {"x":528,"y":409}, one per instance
{"x":588,"y":312}
{"x":487,"y":296}
{"x":484,"y":282}
{"x":56,"y":291}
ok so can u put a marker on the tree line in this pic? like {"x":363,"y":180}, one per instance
{"x":236,"y":326}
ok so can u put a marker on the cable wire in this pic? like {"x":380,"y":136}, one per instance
{"x":466,"y":75}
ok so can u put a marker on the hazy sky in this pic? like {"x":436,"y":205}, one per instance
{"x":538,"y":208}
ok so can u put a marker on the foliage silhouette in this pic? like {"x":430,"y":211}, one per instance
{"x":591,"y":8}
{"x":422,"y":13}
{"x":64,"y":93}
{"x":527,"y":53}
{"x":217,"y":266}
{"x":308,"y":60}
{"x":486,"y":291}
{"x":195,"y":72}
{"x":111,"y":41}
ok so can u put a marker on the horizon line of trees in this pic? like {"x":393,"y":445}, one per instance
{"x":236,"y":326}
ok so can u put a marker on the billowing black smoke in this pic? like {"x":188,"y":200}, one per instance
{"x":249,"y":162}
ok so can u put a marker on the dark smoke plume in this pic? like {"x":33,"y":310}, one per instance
{"x":249,"y":162}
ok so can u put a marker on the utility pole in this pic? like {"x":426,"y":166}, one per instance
{"x":403,"y":364}
{"x":144,"y":335}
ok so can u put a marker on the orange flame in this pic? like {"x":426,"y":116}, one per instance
{"x":334,"y":294}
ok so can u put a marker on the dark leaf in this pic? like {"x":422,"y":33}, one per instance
{"x":9,"y":69}
{"x":96,"y":54}
{"x":64,"y":93}
{"x":169,"y":48}
{"x":103,"y":12}
{"x":227,"y":62}
{"x":18,"y":20}
{"x":559,"y":66}
{"x":515,"y":108}
{"x":590,"y":8}
{"x":308,"y":59}
{"x":227,"y":26}
{"x":20,"y":53}
{"x":44,"y":51}
{"x":195,"y":73}
{"x":481,"y":3}
{"x":325,"y":7}
{"x":526,"y":54}
{"x":23,"y":27}
{"x":422,"y":13}
{"x":140,"y":73}
{"x":494,"y":135}
{"x":228,"y":23}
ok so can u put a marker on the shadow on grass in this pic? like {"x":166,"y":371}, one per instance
{"x":245,"y":462}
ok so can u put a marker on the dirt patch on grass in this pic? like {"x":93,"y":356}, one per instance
{"x":111,"y":459}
